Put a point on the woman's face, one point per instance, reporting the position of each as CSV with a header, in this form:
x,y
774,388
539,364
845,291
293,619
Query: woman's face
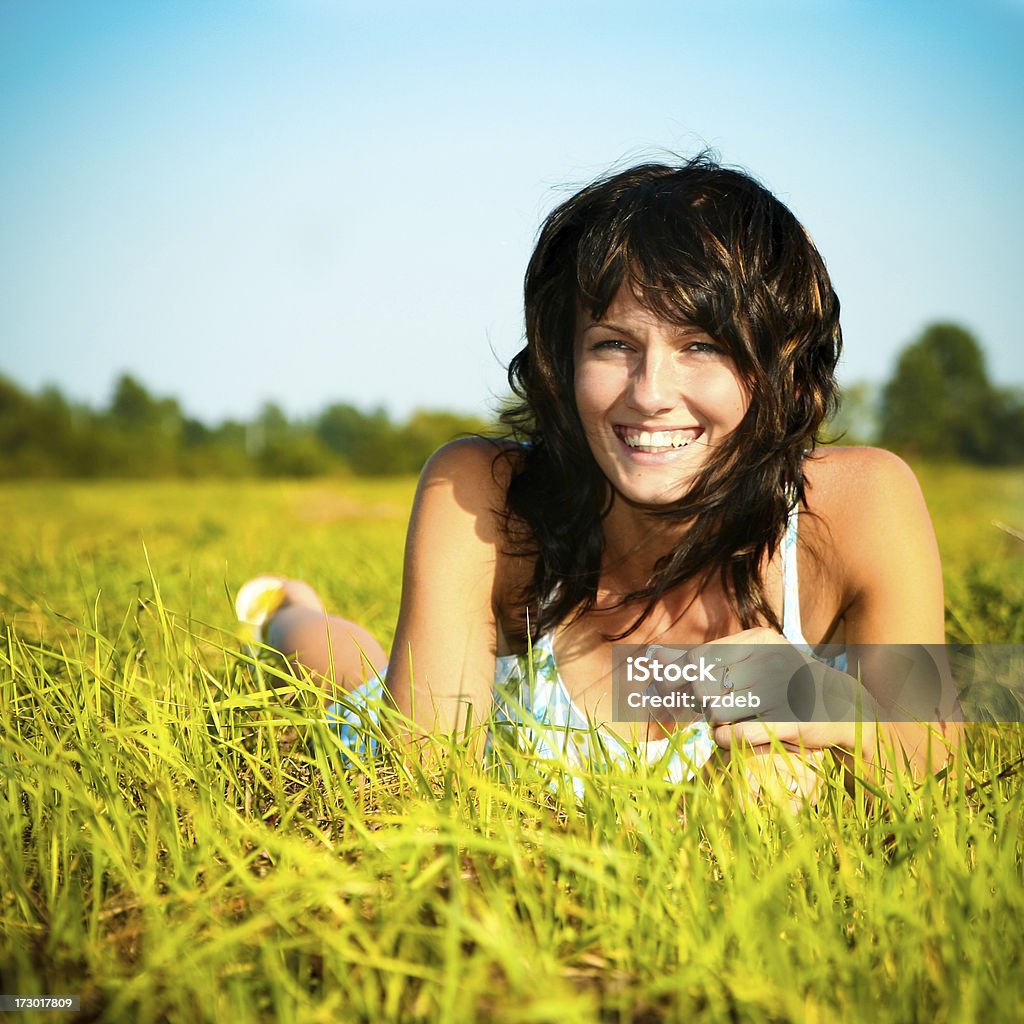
x,y
655,398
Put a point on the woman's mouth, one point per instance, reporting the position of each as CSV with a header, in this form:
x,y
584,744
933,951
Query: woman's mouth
x,y
657,441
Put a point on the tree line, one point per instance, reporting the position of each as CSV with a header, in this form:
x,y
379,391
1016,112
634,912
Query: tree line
x,y
141,435
939,404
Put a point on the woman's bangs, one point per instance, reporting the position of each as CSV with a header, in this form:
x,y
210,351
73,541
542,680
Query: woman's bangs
x,y
670,270
602,267
660,280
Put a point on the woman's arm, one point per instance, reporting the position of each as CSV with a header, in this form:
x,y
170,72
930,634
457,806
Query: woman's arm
x,y
872,531
885,544
441,672
885,538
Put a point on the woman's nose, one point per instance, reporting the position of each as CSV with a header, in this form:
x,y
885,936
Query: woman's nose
x,y
652,386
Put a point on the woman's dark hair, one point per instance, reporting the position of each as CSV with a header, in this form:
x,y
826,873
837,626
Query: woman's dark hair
x,y
699,244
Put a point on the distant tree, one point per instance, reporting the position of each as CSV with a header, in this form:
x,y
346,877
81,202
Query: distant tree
x,y
428,429
132,406
195,433
17,433
368,442
342,427
282,448
37,433
375,446
142,435
939,403
16,409
1008,416
55,430
215,451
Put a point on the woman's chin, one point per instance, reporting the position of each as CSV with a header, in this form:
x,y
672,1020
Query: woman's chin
x,y
651,498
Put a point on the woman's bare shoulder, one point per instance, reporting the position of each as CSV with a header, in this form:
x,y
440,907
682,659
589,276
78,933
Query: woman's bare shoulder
x,y
484,464
868,511
853,482
463,493
447,621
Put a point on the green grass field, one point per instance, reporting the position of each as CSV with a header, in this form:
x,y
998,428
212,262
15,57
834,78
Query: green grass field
x,y
179,846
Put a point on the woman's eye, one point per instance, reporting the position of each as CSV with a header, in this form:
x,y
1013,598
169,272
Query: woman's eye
x,y
706,348
610,345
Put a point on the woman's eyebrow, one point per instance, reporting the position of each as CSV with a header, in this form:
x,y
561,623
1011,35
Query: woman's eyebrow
x,y
681,330
608,325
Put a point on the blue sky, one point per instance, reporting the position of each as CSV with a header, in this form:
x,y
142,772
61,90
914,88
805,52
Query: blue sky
x,y
310,202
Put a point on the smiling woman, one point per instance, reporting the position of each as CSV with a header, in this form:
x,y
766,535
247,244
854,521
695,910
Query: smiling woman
x,y
682,335
654,398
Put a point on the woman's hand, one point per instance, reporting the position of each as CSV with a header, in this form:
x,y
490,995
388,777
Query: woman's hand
x,y
764,688
783,709
767,691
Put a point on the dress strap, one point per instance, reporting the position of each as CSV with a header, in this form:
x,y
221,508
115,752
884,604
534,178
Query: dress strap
x,y
791,627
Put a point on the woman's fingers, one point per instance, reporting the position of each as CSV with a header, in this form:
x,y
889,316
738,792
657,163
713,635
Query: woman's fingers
x,y
797,735
752,680
756,689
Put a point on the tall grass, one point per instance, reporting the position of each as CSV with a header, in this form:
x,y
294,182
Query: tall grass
x,y
983,563
181,844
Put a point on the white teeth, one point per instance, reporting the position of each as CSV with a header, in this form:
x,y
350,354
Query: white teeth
x,y
656,440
